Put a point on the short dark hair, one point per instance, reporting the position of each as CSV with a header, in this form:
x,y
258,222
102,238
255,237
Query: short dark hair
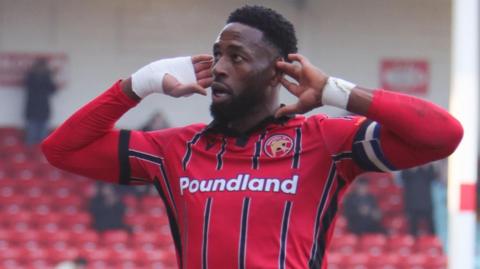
x,y
276,29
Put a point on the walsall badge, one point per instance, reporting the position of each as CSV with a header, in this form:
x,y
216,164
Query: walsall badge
x,y
278,145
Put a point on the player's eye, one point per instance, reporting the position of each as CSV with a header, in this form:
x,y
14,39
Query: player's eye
x,y
216,56
236,58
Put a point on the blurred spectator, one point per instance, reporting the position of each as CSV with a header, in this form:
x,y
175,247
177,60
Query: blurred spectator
x,y
361,210
107,209
39,86
417,183
78,263
158,121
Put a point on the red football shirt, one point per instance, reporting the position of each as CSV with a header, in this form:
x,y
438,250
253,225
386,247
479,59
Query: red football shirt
x,y
266,200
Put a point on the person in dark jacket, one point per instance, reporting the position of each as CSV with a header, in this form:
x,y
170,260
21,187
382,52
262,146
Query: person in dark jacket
x,y
417,183
361,210
108,209
39,86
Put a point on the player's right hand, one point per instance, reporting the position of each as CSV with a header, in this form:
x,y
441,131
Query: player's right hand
x,y
202,65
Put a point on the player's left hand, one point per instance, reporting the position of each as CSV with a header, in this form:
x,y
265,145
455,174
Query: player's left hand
x,y
202,65
308,87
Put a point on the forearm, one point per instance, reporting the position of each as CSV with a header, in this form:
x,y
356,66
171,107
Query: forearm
x,y
92,122
408,122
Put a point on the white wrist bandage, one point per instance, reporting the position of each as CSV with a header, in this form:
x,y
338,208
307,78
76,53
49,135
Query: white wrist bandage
x,y
149,79
336,92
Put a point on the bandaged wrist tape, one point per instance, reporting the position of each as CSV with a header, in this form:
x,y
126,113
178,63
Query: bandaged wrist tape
x,y
149,79
336,92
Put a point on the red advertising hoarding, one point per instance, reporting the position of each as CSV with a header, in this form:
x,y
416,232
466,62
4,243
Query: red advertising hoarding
x,y
410,76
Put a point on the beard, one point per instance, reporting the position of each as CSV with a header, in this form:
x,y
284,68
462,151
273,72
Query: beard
x,y
239,106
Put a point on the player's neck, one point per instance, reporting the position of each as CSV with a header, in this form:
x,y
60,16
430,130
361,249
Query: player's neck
x,y
258,115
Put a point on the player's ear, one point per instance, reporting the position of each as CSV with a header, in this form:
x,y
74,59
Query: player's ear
x,y
277,73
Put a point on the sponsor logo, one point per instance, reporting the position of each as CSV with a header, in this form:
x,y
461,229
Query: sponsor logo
x,y
278,145
243,182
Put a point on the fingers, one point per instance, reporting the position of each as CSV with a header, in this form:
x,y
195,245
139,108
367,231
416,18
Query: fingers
x,y
172,87
206,82
299,58
290,69
287,110
203,74
291,87
184,90
201,58
201,66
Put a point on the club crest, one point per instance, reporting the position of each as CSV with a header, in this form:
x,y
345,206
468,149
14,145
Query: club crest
x,y
278,145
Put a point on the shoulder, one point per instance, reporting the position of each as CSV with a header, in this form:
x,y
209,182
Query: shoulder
x,y
178,133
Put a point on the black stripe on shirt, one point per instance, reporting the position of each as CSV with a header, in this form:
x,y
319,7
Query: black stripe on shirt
x,y
145,156
342,155
298,148
158,161
258,150
220,154
283,235
174,229
206,222
323,200
327,220
188,152
243,233
123,142
318,248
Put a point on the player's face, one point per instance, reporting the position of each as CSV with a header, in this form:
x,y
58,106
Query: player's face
x,y
244,71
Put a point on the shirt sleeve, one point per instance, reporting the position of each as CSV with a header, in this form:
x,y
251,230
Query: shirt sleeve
x,y
89,145
400,132
338,135
142,155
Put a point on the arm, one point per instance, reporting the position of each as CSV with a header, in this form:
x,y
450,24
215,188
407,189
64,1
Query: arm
x,y
414,131
87,142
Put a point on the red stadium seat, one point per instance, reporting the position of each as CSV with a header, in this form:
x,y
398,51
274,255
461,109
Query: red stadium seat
x,y
334,260
87,240
152,206
149,240
8,187
344,244
414,261
80,221
29,239
155,222
430,245
154,258
357,260
98,258
58,255
137,221
373,244
71,204
47,220
18,220
6,239
41,205
12,258
401,244
436,262
56,239
385,261
395,224
115,239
